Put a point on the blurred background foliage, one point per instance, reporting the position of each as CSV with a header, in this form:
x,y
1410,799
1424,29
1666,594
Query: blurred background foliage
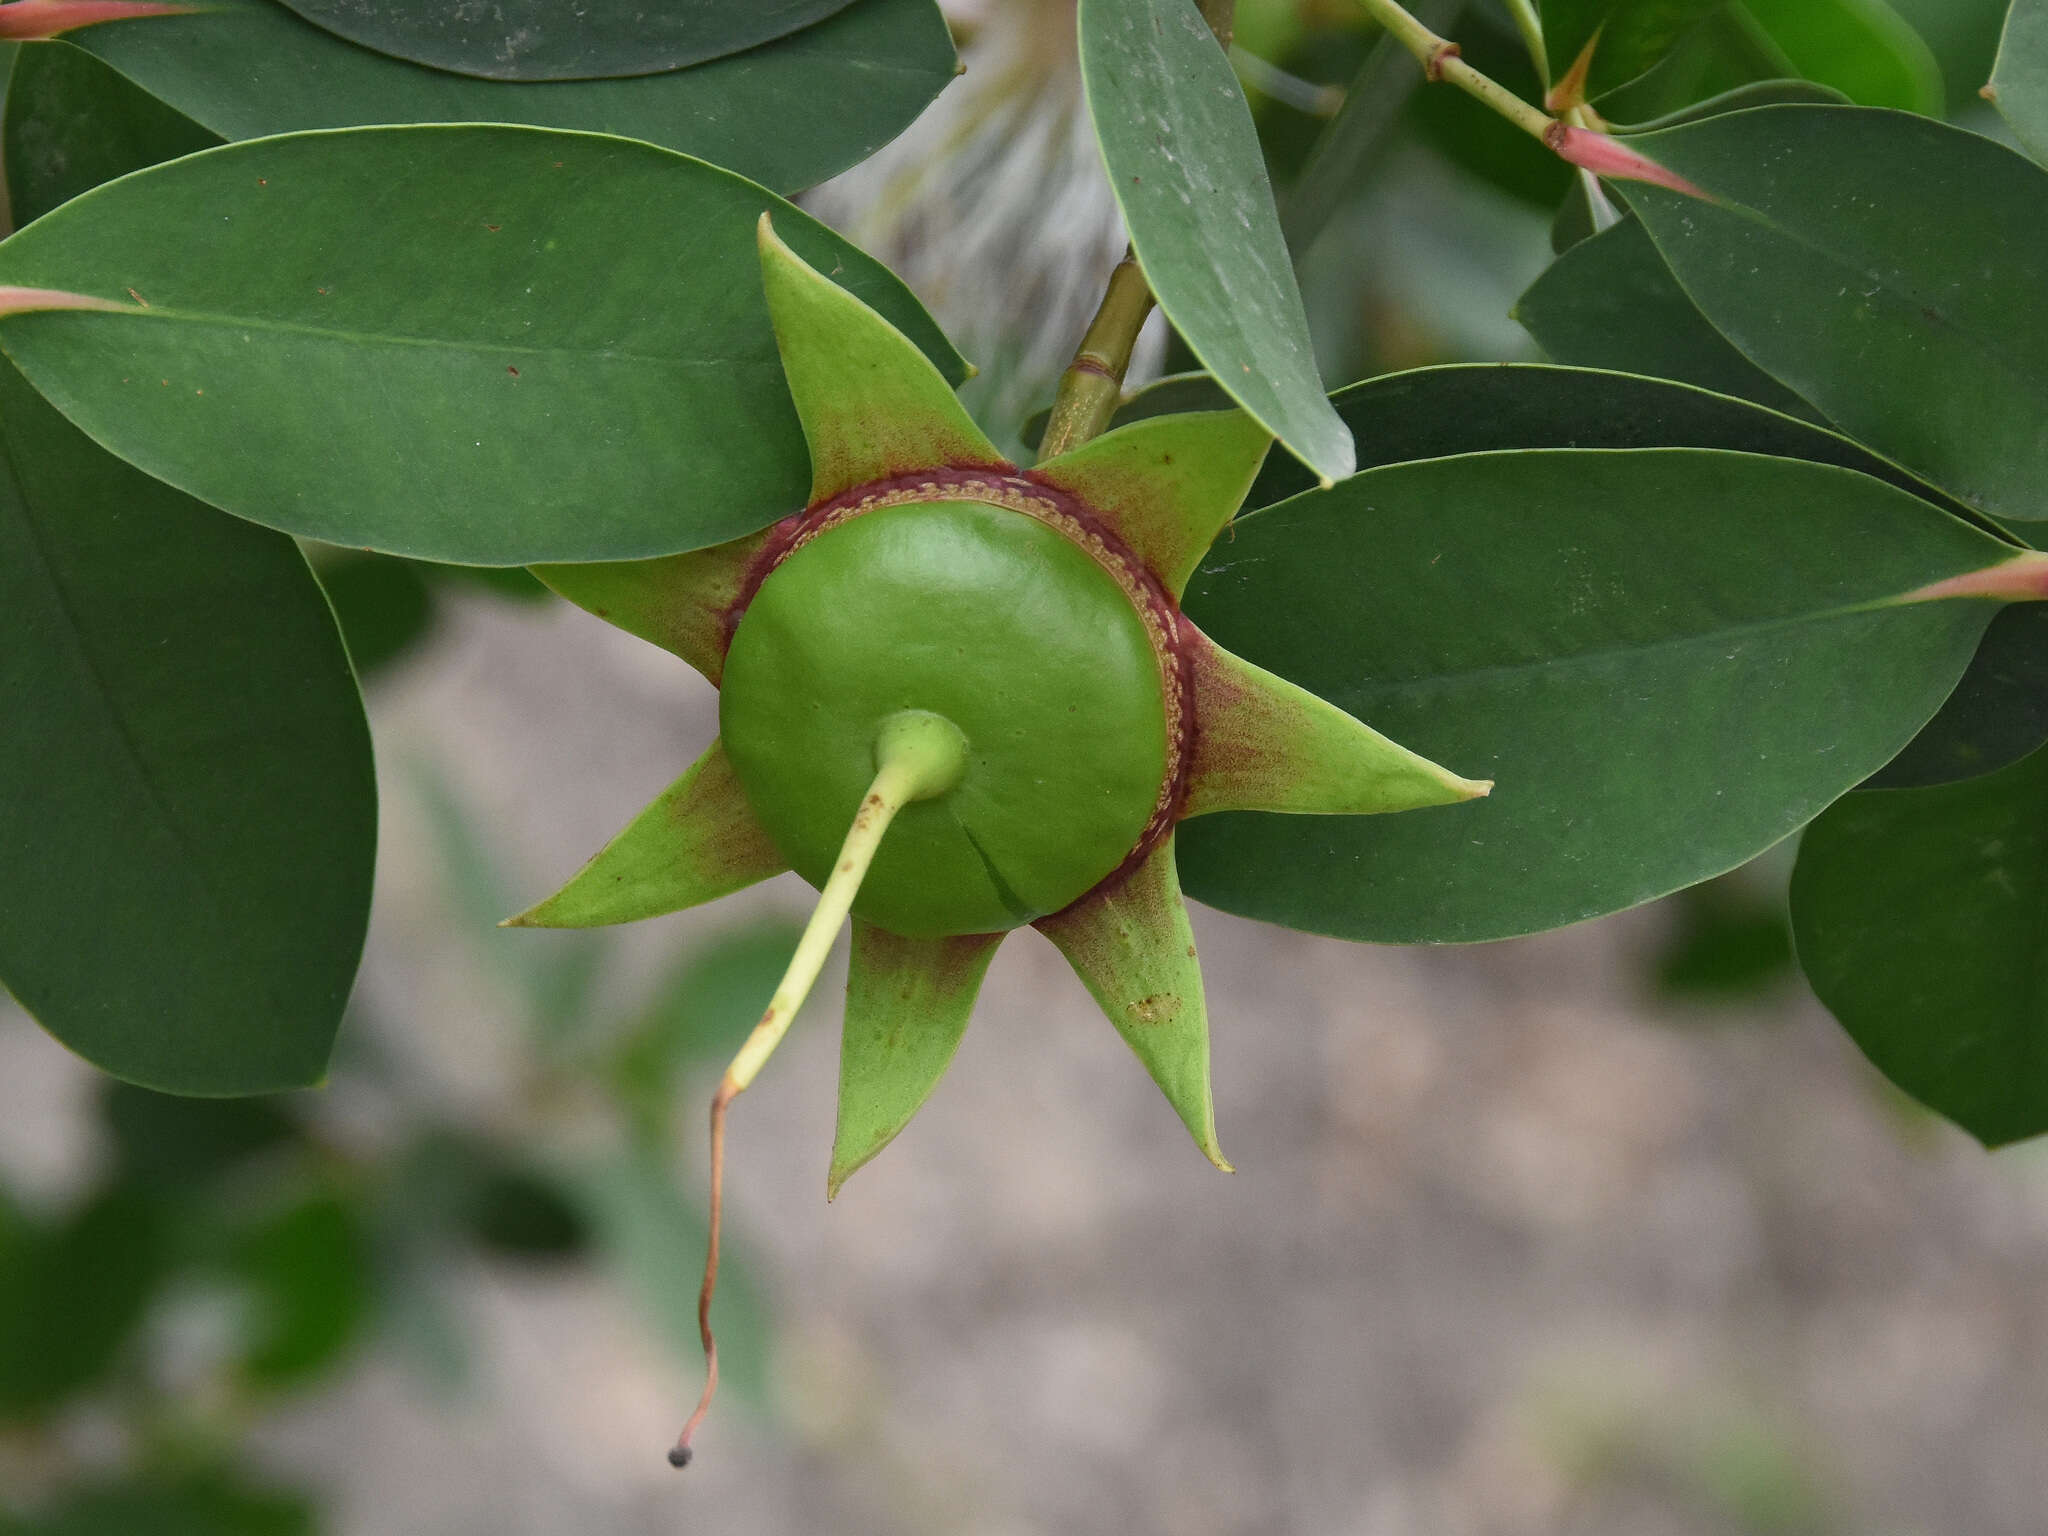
x,y
226,1262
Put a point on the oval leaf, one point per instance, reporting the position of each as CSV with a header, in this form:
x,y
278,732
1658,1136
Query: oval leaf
x,y
1888,268
1996,716
788,114
1627,37
72,123
1863,48
1184,160
1667,659
545,40
555,349
2019,82
188,831
1921,917
1432,413
1610,302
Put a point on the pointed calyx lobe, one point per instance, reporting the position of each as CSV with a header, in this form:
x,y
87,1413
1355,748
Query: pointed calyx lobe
x,y
1262,744
872,405
1130,944
698,841
907,1005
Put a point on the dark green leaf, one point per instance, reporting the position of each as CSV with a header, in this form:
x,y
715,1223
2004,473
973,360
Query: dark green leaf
x,y
1610,302
544,40
1860,47
1431,413
1888,268
70,1296
72,123
382,604
1996,716
555,349
188,830
165,1142
2019,81
308,1266
1667,659
1633,35
1184,161
207,1508
1724,53
788,114
1758,93
1922,922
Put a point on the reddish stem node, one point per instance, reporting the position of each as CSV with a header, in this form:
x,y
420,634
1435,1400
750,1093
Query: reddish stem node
x,y
1609,157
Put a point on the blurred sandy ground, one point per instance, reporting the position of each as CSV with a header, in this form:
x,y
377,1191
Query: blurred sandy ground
x,y
1510,1251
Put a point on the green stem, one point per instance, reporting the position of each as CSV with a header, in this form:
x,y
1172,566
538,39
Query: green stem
x,y
1439,59
918,755
1094,382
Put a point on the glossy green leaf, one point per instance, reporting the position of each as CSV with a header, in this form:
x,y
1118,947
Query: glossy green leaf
x,y
1724,53
1863,48
72,123
1996,716
1922,921
1431,413
1184,161
187,832
788,114
1758,93
2019,81
1610,302
544,40
1633,36
1666,659
1888,268
556,348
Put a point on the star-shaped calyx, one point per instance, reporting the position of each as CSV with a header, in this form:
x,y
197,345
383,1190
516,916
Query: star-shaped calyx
x,y
983,672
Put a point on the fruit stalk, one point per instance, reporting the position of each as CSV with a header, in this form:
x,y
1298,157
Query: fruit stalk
x,y
918,756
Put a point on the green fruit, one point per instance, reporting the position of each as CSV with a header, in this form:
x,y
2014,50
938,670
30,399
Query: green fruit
x,y
1006,627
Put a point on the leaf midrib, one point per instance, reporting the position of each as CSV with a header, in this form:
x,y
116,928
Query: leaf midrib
x,y
103,695
396,339
1756,628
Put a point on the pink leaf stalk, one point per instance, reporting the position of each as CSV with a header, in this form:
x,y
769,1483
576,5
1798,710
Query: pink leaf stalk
x,y
1606,156
22,301
30,20
2024,578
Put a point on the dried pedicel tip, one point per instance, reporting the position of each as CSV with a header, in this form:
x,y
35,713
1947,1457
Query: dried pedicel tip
x,y
960,698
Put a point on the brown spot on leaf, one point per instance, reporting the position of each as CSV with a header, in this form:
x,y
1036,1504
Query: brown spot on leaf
x,y
1159,1008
